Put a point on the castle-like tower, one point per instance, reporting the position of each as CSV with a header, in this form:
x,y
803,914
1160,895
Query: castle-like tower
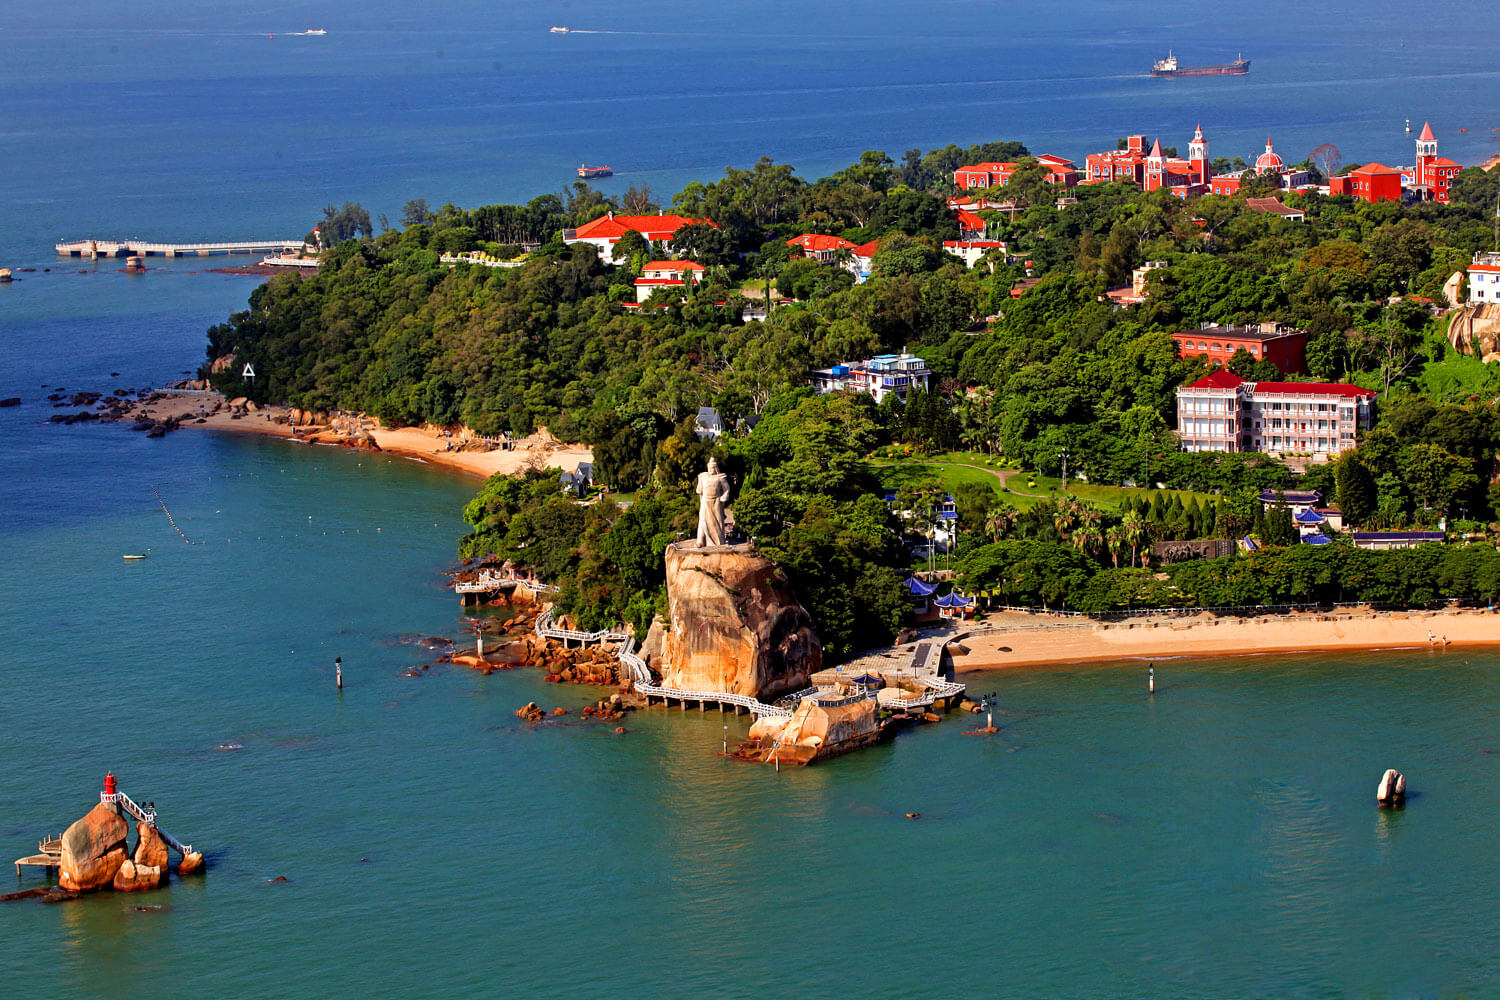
x,y
1426,154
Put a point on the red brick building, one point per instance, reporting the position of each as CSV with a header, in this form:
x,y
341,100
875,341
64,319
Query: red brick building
x,y
1372,182
1283,346
1151,168
994,174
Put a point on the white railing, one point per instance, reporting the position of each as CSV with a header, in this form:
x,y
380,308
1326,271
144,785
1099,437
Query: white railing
x,y
145,816
490,580
755,706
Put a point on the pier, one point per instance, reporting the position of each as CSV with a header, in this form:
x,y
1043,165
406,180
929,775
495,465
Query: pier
x,y
95,249
48,854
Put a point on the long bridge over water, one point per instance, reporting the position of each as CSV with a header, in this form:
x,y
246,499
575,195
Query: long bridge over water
x,y
144,248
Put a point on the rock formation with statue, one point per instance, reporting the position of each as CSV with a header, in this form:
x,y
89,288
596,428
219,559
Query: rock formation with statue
x,y
734,625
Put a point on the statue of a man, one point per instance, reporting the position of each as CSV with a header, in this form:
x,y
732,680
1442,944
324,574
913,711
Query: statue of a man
x,y
713,488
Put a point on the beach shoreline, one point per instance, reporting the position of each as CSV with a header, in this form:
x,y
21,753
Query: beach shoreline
x,y
1016,644
211,411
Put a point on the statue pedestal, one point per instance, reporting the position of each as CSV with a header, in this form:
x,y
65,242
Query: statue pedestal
x,y
735,626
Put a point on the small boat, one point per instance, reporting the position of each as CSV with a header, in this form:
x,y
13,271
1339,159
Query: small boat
x,y
139,556
588,173
559,29
316,31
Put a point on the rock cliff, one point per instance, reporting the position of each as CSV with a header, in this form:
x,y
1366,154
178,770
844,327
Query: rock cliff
x,y
146,868
735,626
93,849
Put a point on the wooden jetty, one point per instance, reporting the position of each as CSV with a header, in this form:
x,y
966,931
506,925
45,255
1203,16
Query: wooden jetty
x,y
95,249
48,854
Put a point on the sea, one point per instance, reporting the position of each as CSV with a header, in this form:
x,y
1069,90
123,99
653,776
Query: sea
x,y
408,836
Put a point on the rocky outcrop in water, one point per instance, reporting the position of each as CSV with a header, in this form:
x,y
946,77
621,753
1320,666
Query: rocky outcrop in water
x,y
93,850
735,626
1392,789
147,866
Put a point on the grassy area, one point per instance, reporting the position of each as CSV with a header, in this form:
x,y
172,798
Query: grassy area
x,y
954,469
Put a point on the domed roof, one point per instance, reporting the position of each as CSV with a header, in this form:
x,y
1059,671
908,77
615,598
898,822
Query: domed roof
x,y
1268,160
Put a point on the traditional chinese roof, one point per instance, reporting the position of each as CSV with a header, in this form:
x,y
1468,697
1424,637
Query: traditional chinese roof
x,y
1290,496
953,600
1318,539
1310,516
917,588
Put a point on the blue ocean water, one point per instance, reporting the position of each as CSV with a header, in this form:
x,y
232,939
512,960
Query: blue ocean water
x,y
1218,839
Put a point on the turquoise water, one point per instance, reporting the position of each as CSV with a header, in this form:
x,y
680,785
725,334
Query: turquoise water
x,y
1217,839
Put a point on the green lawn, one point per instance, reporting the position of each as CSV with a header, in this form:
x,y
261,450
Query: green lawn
x,y
954,469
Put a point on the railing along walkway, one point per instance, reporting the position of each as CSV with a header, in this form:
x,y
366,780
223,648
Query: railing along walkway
x,y
145,816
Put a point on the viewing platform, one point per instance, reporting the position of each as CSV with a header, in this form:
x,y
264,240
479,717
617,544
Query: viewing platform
x,y
141,248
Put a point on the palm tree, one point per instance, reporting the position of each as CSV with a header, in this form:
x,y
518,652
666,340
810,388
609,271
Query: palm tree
x,y
999,522
1136,529
1116,540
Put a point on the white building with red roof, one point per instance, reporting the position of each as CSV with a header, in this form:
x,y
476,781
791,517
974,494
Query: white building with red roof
x,y
1484,278
819,246
607,230
673,274
1223,412
970,251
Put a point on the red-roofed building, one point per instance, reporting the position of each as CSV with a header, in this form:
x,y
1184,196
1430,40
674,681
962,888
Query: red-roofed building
x,y
972,250
1433,173
1484,277
1283,346
607,230
1372,182
819,246
1223,412
667,274
1150,168
993,174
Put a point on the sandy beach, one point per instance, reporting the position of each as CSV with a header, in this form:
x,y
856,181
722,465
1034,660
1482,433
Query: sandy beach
x,y
1012,641
425,444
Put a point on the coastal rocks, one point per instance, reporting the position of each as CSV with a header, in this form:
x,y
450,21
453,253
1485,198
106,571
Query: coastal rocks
x,y
735,626
816,731
93,850
1392,788
531,712
191,863
10,401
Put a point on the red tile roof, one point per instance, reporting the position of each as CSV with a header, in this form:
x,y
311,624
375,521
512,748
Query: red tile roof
x,y
818,242
968,220
1221,378
674,265
1375,168
654,227
866,250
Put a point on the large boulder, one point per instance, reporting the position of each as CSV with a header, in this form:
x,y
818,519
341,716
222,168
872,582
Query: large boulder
x,y
817,730
93,849
148,865
735,626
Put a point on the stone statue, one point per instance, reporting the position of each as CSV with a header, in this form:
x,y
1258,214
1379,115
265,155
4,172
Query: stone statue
x,y
713,487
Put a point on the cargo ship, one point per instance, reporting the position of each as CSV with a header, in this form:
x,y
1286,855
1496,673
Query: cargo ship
x,y
589,173
1169,67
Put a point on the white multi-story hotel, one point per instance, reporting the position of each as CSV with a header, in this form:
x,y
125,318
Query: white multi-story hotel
x,y
1223,412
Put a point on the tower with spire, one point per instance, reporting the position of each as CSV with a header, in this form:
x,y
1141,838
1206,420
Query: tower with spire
x,y
1156,167
1433,173
1198,156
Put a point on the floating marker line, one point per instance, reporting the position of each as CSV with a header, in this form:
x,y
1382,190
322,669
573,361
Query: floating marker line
x,y
173,523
